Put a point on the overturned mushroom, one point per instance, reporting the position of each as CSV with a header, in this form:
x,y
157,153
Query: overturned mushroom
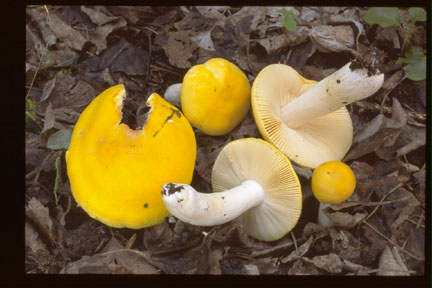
x,y
307,120
249,177
116,173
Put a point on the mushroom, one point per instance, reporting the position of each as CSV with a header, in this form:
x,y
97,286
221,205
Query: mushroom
x,y
307,120
332,183
215,96
116,173
249,177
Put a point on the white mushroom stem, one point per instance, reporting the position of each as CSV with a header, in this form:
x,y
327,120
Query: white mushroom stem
x,y
323,219
333,92
172,94
208,209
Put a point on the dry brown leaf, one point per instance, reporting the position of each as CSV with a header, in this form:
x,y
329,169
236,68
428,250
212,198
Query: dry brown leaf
x,y
344,219
214,265
179,49
300,251
275,43
379,132
333,38
391,264
39,215
330,263
114,259
69,36
303,267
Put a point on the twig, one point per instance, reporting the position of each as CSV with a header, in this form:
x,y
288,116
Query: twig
x,y
392,242
382,200
377,108
295,243
40,61
35,180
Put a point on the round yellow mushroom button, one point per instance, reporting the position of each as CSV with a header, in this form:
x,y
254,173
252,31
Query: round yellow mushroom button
x,y
333,182
215,96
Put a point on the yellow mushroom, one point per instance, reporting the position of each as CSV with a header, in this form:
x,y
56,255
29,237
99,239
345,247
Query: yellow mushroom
x,y
116,173
332,183
215,96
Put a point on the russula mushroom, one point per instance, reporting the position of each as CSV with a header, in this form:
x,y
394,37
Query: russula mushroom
x,y
332,183
307,120
214,96
116,173
250,177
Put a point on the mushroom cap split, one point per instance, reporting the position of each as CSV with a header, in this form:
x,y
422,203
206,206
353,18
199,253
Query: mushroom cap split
x,y
256,159
333,182
116,173
324,138
215,96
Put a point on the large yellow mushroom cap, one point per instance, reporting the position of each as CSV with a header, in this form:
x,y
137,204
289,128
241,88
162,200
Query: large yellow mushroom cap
x,y
333,182
215,96
116,173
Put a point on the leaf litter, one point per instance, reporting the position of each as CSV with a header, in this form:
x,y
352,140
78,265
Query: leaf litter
x,y
73,53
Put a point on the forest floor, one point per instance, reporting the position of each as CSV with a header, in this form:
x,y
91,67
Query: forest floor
x,y
73,53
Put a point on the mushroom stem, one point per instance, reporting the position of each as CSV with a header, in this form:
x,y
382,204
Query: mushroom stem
x,y
172,94
323,219
339,89
208,209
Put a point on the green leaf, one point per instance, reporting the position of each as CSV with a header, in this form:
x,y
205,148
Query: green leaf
x,y
383,16
417,14
289,23
30,110
59,140
290,19
58,180
283,11
415,64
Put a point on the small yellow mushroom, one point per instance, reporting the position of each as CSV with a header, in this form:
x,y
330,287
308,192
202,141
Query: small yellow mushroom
x,y
332,183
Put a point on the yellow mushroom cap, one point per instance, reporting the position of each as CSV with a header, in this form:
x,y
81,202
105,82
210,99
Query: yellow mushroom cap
x,y
322,139
333,182
256,159
116,173
215,96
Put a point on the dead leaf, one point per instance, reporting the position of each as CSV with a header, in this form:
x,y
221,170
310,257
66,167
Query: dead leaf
x,y
179,49
303,267
333,38
33,241
251,269
58,59
391,264
330,263
344,219
299,252
266,265
39,215
71,37
416,242
99,36
214,257
204,41
114,259
379,132
276,43
389,34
